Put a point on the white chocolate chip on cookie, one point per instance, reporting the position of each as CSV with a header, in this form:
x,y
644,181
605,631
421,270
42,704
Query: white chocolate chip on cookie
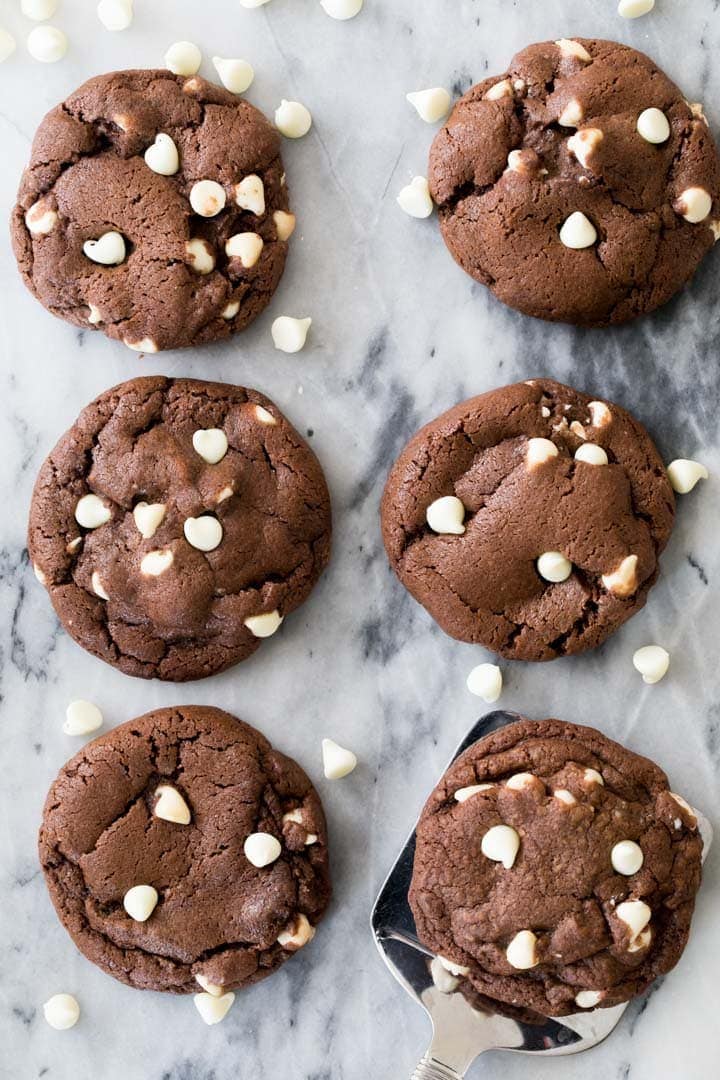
x,y
459,970
441,977
207,198
564,796
262,626
653,126
520,781
572,115
623,581
521,953
148,518
262,849
41,219
588,999
284,224
211,444
500,90
146,345
97,586
108,250
265,416
694,204
200,255
591,454
209,987
574,50
170,805
553,566
140,901
246,246
155,563
91,512
539,451
230,310
501,844
626,857
600,415
250,194
204,533
297,933
592,776
464,793
636,915
584,143
446,515
578,232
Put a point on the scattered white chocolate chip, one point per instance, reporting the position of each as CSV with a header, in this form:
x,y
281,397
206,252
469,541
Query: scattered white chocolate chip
x,y
211,444
464,793
207,198
499,90
520,780
38,10
262,849
431,105
235,75
539,451
694,204
61,1011
446,515
284,224
230,310
246,246
82,717
7,44
584,143
485,681
578,232
633,9
501,844
600,415
570,48
250,194
213,1009
553,566
95,316
115,14
592,776
591,454
636,915
263,626
337,761
341,9
626,857
200,256
652,661
684,474
297,933
289,335
265,416
146,345
623,581
47,44
162,156
108,249
91,512
588,999
459,970
156,563
140,901
97,586
148,518
441,977
40,218
521,953
183,58
292,119
171,806
564,796
653,126
572,115
204,533
415,199
210,988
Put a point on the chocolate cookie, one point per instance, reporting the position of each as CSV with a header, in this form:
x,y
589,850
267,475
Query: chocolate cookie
x,y
221,839
580,186
529,519
555,869
154,208
176,524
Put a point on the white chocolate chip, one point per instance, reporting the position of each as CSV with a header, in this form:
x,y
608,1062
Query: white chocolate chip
x,y
591,454
284,224
564,796
225,493
95,316
415,199
156,563
600,415
501,844
539,451
441,977
7,44
459,970
213,1009
337,761
641,941
108,249
115,14
211,444
162,156
183,58
626,857
633,9
97,586
694,204
264,416
210,988
246,246
47,44
446,515
292,119
82,717
297,933
61,1011
148,518
431,105
578,232
588,999
140,901
592,776
572,115
577,429
207,198
200,256
499,90
38,10
520,781
296,817
146,345
263,626
464,793
262,849
341,9
204,533
583,144
570,48
289,335
40,218
652,661
235,75
171,806
91,512
653,126
250,194
684,474
684,805
623,581
485,681
521,953
553,566
636,915
545,412
230,310
39,574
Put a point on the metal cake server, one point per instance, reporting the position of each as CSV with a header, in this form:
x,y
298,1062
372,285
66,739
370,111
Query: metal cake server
x,y
461,1031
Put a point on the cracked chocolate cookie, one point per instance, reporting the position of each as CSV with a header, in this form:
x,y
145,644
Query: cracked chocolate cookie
x,y
176,524
154,208
580,186
554,869
182,851
529,519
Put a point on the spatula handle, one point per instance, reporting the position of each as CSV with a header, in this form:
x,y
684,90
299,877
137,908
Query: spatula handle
x,y
431,1069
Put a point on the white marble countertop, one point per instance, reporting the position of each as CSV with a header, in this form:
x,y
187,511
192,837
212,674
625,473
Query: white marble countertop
x,y
399,334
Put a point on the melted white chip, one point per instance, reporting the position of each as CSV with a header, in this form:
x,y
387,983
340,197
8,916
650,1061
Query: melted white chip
x,y
297,933
262,626
431,105
622,582
97,586
499,90
246,246
501,844
200,256
262,849
636,915
653,126
292,119
521,953
626,857
146,345
82,717
684,474
171,806
464,793
235,75
600,415
108,249
564,796
140,901
210,988
337,761
588,999
446,515
61,1011
156,563
485,681
583,144
162,156
211,444
265,416
454,969
250,194
592,776
520,780
148,517
41,219
284,224
289,334
230,310
578,232
115,14
553,566
574,49
183,58
415,199
47,44
652,661
441,977
213,1009
572,115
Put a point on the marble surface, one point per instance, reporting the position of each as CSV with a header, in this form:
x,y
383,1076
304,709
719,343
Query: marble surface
x,y
399,334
